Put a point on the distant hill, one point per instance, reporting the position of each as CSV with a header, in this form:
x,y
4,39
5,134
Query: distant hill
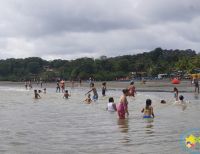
x,y
147,63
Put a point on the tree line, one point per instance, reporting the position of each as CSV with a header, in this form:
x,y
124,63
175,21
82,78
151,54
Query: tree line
x,y
103,68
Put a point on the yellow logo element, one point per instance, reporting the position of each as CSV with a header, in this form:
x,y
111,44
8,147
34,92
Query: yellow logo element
x,y
191,141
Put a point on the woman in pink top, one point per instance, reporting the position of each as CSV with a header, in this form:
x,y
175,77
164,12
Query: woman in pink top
x,y
131,89
122,107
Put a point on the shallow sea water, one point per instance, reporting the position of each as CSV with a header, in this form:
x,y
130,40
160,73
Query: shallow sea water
x,y
56,125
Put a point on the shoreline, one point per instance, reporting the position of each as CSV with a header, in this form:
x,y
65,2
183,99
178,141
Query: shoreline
x,y
150,86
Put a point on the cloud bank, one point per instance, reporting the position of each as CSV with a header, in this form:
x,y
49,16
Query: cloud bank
x,y
70,29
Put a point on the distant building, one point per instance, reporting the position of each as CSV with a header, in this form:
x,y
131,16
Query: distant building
x,y
161,76
48,69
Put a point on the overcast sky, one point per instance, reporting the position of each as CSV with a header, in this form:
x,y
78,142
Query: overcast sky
x,y
70,29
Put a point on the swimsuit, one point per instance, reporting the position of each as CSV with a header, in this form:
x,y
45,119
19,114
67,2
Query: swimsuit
x,y
147,113
121,110
147,116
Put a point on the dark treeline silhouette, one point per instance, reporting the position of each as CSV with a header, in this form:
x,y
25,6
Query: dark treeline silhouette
x,y
150,63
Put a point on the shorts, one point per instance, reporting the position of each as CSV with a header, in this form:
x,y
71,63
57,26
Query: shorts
x,y
95,97
103,92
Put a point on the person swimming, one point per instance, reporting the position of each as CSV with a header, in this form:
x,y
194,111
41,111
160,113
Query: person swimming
x,y
66,94
163,101
181,102
148,110
111,106
88,100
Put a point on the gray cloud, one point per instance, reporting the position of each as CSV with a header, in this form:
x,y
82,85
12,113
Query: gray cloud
x,y
71,29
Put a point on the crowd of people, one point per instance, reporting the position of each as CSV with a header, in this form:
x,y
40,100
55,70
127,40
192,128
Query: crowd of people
x,y
122,107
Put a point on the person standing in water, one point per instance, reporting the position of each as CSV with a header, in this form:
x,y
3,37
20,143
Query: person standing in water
x,y
104,89
95,94
131,89
62,85
30,84
148,110
122,108
196,84
80,82
26,85
176,93
57,86
41,83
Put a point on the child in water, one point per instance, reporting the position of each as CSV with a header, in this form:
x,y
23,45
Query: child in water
x,y
95,94
176,93
88,100
45,90
181,99
148,110
163,101
181,102
122,107
66,94
37,96
104,89
111,106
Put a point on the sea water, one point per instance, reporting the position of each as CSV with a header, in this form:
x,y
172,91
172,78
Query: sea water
x,y
56,125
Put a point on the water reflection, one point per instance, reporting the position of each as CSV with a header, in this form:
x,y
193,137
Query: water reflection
x,y
124,127
149,126
196,96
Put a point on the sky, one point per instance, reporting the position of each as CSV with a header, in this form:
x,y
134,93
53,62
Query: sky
x,y
70,29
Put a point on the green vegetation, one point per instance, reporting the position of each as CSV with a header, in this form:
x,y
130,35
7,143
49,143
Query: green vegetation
x,y
148,63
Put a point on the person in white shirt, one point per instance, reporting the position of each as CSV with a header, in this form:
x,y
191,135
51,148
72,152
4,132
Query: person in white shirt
x,y
111,106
